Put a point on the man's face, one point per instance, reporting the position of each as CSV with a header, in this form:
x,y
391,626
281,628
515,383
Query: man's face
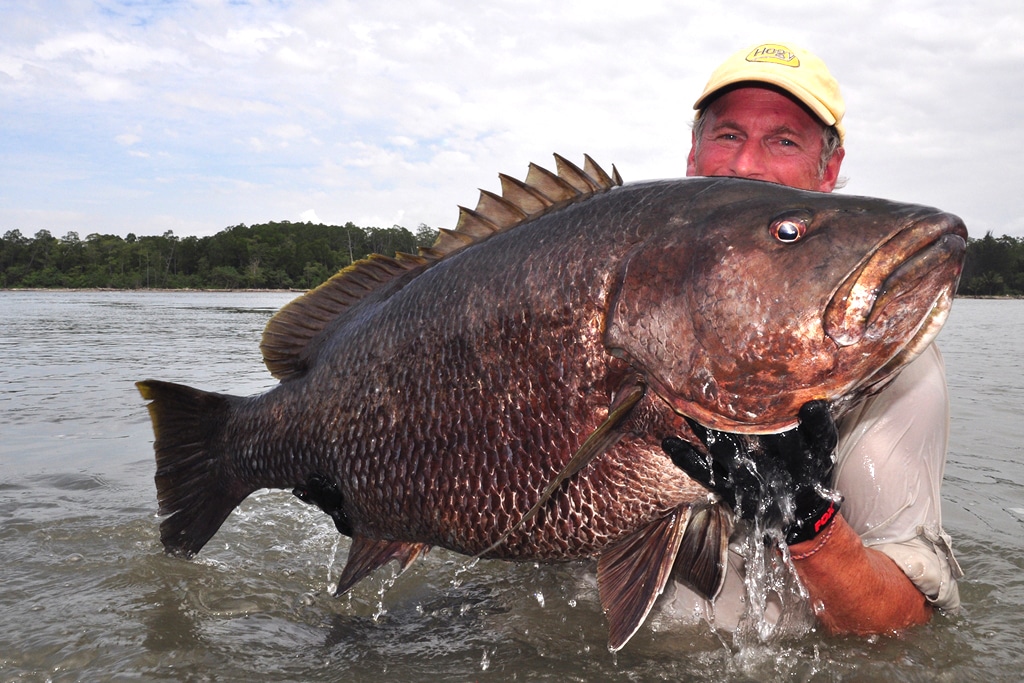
x,y
761,134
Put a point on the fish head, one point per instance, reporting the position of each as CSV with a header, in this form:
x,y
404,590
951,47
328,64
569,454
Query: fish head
x,y
749,299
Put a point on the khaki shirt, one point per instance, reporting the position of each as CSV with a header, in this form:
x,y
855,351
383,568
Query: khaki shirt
x,y
892,454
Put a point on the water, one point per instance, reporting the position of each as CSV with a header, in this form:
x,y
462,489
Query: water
x,y
88,595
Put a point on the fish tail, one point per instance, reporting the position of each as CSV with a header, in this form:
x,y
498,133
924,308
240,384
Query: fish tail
x,y
194,485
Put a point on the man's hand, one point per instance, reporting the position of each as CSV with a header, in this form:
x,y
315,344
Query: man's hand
x,y
807,454
783,479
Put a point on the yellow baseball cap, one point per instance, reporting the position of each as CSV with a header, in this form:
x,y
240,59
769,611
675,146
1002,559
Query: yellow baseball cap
x,y
791,68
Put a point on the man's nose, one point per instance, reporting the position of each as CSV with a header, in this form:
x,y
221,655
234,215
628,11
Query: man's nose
x,y
749,161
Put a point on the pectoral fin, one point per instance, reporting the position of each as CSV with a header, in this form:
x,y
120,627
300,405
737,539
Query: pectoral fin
x,y
366,555
701,561
633,573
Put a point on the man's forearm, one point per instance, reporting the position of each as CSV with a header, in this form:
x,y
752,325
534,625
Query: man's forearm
x,y
854,589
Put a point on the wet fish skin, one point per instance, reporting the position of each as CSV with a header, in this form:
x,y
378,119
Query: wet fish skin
x,y
435,404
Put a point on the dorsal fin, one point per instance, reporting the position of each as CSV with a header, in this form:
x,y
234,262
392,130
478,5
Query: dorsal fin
x,y
574,175
529,199
554,187
290,331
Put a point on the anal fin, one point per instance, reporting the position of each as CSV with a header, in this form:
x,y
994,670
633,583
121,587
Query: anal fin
x,y
366,554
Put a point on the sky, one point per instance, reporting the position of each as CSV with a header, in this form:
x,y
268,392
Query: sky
x,y
148,116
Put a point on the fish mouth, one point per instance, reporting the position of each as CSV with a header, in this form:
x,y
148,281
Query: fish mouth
x,y
904,289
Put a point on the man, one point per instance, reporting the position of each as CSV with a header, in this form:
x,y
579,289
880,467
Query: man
x,y
882,563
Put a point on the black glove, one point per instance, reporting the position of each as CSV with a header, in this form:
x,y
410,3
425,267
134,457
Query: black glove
x,y
782,479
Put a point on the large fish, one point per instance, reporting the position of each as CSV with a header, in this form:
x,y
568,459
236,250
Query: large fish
x,y
505,393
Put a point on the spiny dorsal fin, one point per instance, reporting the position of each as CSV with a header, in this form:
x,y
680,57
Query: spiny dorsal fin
x,y
502,212
574,175
527,198
554,187
290,331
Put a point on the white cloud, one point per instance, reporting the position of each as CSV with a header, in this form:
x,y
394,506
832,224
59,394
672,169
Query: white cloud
x,y
106,53
104,88
288,131
307,60
12,67
249,41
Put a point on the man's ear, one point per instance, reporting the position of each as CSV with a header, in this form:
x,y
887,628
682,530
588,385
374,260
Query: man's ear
x,y
831,175
691,158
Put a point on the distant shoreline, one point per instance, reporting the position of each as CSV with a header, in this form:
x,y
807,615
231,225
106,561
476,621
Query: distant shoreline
x,y
152,289
302,291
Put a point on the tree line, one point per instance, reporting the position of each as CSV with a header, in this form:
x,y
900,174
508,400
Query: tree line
x,y
994,267
286,255
281,255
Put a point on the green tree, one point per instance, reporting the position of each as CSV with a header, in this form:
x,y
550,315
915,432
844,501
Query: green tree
x,y
994,267
425,235
14,256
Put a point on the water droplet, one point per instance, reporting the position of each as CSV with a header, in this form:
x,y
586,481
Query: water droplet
x,y
379,612
540,598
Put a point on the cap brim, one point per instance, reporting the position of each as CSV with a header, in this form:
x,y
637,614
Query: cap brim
x,y
797,91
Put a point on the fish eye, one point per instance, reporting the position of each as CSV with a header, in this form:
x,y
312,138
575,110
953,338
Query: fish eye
x,y
788,230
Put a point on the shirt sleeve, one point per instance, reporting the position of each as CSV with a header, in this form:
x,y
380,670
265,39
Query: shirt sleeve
x,y
890,464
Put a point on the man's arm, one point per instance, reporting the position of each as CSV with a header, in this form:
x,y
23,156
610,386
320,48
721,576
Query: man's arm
x,y
854,589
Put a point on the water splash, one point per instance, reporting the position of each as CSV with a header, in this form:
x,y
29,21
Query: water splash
x,y
467,566
332,586
776,600
385,585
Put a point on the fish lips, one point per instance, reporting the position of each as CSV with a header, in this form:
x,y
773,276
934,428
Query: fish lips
x,y
915,270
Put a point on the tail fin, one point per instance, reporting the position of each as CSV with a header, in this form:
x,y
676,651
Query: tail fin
x,y
193,485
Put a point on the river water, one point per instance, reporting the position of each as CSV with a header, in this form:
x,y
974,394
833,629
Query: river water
x,y
87,594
